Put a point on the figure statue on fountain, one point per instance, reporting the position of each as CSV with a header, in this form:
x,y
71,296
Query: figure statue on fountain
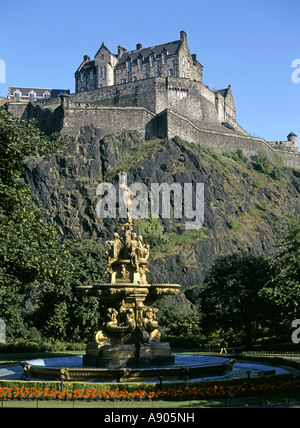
x,y
127,255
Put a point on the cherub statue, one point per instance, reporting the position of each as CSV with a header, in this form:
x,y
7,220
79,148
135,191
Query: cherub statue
x,y
151,325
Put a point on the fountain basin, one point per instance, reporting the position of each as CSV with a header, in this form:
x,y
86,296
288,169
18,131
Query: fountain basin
x,y
181,371
115,292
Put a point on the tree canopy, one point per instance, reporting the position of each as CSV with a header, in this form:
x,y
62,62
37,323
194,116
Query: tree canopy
x,y
230,296
283,287
38,270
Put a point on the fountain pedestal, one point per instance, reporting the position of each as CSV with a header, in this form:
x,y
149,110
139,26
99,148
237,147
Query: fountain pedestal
x,y
129,335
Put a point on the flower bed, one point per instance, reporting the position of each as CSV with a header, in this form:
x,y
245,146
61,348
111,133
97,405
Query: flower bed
x,y
174,392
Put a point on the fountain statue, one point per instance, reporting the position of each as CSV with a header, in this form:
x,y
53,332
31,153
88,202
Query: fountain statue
x,y
129,334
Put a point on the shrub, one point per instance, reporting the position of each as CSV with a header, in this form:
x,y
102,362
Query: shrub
x,y
263,163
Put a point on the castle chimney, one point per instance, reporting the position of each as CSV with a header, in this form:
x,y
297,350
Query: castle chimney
x,y
138,46
121,50
86,58
183,36
194,57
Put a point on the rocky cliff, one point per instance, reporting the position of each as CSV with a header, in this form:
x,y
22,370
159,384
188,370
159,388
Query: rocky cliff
x,y
241,203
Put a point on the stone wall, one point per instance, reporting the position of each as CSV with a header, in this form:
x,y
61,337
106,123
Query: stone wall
x,y
116,119
172,124
3,101
137,94
186,97
108,120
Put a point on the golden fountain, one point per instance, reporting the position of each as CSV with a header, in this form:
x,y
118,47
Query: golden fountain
x,y
127,346
129,335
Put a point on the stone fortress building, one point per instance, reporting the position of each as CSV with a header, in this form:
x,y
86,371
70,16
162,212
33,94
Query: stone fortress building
x,y
179,88
171,59
157,91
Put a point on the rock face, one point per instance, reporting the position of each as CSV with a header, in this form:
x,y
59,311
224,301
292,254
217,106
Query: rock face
x,y
241,204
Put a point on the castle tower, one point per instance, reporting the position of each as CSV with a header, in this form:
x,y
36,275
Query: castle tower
x,y
293,139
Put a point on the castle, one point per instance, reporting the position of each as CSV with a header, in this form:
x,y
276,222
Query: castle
x,y
157,91
166,60
181,85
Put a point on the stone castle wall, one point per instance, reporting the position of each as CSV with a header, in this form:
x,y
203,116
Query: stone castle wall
x,y
109,120
187,97
172,124
153,107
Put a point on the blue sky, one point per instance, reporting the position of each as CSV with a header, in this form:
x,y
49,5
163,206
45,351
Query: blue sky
x,y
249,44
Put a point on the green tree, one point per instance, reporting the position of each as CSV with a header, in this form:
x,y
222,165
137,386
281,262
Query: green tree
x,y
39,272
152,232
283,288
31,256
19,139
90,263
181,323
262,162
230,295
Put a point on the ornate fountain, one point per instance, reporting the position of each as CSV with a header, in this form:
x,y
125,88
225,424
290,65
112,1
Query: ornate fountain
x,y
127,346
129,335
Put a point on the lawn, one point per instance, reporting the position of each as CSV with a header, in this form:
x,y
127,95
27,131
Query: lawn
x,y
280,399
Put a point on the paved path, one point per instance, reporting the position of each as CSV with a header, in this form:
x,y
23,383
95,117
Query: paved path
x,y
295,405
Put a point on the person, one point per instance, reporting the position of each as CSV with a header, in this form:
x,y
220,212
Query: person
x,y
223,346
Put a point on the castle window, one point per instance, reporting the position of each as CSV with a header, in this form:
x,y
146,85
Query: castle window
x,y
170,72
128,66
17,95
104,73
123,81
164,58
32,96
82,90
152,61
82,77
134,79
91,75
140,63
174,67
158,69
